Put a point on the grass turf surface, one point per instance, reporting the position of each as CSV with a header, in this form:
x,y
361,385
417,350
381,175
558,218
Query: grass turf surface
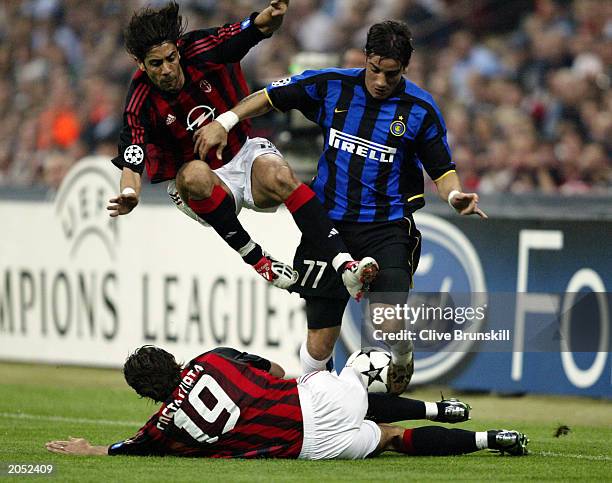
x,y
40,403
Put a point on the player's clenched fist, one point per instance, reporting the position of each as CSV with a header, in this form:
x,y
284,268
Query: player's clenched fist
x,y
123,204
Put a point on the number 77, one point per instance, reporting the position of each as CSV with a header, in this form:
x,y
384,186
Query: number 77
x,y
311,264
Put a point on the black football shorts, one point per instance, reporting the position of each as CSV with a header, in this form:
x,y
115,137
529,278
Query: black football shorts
x,y
395,245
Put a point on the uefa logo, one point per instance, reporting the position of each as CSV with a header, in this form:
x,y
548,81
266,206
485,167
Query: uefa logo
x,y
449,265
81,202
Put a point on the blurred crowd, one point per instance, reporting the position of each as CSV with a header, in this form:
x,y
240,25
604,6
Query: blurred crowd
x,y
524,85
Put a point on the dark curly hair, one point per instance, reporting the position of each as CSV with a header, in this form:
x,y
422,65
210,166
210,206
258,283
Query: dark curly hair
x,y
390,39
152,372
149,27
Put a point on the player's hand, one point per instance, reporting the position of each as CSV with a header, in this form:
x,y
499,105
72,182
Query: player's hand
x,y
467,204
278,7
271,18
77,446
122,204
208,137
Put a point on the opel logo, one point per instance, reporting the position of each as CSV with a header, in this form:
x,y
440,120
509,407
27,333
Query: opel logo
x,y
204,112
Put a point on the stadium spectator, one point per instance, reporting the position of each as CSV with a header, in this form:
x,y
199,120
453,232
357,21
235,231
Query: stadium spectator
x,y
555,57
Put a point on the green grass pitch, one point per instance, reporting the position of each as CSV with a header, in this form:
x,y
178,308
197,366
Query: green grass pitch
x,y
40,403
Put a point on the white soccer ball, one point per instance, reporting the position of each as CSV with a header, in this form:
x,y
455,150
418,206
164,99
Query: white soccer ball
x,y
373,365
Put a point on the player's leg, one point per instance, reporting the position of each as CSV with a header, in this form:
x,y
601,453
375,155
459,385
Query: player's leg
x,y
324,317
391,291
389,408
439,441
213,201
274,182
398,262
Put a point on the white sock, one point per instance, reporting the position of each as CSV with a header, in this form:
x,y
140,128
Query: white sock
x,y
309,363
431,410
482,439
340,260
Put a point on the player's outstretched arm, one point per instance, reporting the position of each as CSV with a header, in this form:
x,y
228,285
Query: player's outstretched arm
x,y
271,18
127,200
214,135
449,189
76,446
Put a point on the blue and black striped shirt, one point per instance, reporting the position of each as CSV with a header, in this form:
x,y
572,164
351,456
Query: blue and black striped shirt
x,y
371,168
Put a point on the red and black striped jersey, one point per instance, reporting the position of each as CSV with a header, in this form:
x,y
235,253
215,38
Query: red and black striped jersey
x,y
226,406
158,126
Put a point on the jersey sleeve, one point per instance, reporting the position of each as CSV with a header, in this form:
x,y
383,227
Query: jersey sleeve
x,y
431,145
301,92
134,135
222,45
143,443
244,357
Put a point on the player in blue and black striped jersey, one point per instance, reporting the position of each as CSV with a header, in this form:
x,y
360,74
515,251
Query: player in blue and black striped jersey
x,y
380,131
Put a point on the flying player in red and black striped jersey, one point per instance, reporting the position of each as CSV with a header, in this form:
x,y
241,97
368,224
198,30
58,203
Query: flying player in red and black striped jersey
x,y
183,82
229,404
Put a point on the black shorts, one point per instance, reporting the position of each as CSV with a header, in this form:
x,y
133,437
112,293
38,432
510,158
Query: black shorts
x,y
395,245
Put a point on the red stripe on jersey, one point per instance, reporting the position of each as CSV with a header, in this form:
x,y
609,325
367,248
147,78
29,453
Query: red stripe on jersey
x,y
137,98
245,384
137,130
228,82
209,45
134,96
195,50
140,101
281,410
223,34
270,432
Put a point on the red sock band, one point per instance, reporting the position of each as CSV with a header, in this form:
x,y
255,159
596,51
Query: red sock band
x,y
407,442
300,196
209,204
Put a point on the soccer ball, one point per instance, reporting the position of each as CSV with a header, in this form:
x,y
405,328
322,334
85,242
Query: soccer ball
x,y
373,365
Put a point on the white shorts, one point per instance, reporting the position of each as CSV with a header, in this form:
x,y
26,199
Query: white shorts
x,y
333,411
237,177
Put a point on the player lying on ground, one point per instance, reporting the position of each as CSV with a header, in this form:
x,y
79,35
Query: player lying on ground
x,y
380,131
225,403
183,80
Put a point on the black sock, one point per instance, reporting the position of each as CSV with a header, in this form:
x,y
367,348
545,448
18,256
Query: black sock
x,y
313,222
387,408
219,212
438,441
491,439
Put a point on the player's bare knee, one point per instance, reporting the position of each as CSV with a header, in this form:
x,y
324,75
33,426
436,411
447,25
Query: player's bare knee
x,y
320,344
390,438
195,180
278,179
284,182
